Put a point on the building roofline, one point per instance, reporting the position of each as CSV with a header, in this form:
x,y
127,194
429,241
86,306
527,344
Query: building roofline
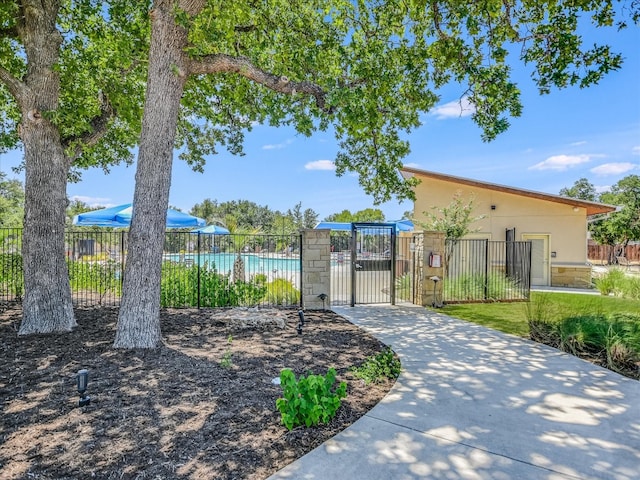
x,y
593,208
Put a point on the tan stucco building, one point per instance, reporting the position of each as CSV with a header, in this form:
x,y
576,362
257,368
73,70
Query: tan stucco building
x,y
555,225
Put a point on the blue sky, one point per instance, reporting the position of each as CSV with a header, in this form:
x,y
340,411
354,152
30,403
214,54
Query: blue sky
x,y
561,137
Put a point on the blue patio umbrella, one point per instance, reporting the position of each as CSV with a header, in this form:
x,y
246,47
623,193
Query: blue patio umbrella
x,y
120,216
212,230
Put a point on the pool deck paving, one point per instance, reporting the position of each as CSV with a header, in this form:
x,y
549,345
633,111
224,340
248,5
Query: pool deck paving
x,y
474,403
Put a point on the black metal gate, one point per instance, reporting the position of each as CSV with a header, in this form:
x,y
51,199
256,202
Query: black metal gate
x,y
484,270
367,263
373,256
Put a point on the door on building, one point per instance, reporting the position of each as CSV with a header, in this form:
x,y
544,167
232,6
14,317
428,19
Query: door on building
x,y
539,258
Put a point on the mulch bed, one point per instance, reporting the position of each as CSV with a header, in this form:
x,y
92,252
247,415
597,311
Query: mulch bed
x,y
200,406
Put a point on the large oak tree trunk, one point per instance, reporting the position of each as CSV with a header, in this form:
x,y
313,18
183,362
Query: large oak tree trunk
x,y
47,303
139,317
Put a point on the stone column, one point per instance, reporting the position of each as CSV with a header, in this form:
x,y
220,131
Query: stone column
x,y
316,268
434,243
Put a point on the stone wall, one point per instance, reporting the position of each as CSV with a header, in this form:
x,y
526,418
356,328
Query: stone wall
x,y
316,268
433,242
575,276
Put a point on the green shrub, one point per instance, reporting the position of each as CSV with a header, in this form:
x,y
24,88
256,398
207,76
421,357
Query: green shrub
x,y
98,277
179,288
615,338
631,288
611,282
378,367
403,287
178,285
540,313
477,287
11,277
310,400
282,292
259,279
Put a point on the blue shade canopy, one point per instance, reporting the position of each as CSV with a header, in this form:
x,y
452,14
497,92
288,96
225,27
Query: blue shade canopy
x,y
212,230
401,226
120,216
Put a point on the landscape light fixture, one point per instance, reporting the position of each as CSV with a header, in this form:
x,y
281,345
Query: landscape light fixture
x,y
435,279
83,382
323,297
300,322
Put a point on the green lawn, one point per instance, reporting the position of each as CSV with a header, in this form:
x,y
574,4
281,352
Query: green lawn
x,y
512,317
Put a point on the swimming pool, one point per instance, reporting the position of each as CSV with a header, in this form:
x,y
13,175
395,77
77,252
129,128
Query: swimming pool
x,y
223,262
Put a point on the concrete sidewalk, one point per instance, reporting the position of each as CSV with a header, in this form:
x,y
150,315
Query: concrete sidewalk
x,y
473,403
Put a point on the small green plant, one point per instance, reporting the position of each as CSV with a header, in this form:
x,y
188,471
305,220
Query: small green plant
x,y
403,287
226,361
282,292
378,367
478,287
309,400
631,288
611,282
540,314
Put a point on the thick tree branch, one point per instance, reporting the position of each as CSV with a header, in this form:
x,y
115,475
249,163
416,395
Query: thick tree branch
x,y
9,32
16,87
99,126
221,63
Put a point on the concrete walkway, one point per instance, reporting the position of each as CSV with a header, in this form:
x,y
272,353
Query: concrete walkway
x,y
473,403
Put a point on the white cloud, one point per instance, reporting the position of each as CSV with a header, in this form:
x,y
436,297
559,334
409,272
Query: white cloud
x,y
614,168
577,144
636,150
561,162
93,201
277,146
320,165
455,109
411,165
602,188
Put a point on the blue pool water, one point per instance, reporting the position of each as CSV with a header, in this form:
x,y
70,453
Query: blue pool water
x,y
223,262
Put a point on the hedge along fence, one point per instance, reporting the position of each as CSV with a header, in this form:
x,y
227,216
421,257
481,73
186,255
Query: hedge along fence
x,y
197,270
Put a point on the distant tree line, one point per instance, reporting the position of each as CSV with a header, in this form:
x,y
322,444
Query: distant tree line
x,y
238,216
617,228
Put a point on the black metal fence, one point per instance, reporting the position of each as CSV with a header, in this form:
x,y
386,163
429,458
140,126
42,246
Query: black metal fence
x,y
198,270
485,271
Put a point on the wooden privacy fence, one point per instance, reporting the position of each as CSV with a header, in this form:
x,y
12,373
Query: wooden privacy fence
x,y
606,254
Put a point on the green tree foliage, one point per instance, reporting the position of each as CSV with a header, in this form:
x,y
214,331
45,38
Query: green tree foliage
x,y
303,219
621,227
72,75
209,210
11,202
366,215
76,207
582,189
249,217
71,93
454,220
